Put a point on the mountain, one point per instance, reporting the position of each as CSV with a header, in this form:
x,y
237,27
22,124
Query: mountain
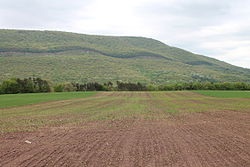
x,y
64,56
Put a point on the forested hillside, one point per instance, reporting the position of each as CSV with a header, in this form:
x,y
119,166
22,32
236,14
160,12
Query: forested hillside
x,y
63,56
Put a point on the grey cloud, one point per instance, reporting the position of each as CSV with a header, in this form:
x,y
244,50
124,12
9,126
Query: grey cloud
x,y
37,13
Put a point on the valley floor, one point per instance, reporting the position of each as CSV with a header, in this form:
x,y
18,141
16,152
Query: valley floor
x,y
128,129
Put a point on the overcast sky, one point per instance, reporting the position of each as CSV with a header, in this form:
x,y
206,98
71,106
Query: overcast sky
x,y
215,28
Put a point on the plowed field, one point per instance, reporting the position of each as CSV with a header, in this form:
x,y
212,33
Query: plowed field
x,y
128,129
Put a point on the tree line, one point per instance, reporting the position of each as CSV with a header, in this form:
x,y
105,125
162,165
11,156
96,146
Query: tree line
x,y
38,85
26,85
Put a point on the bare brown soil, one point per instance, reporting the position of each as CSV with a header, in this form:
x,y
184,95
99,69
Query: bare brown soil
x,y
185,139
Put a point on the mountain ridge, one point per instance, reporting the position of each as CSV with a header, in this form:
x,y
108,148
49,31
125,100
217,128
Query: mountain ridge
x,y
150,60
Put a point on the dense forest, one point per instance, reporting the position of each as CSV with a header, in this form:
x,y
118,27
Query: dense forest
x,y
38,85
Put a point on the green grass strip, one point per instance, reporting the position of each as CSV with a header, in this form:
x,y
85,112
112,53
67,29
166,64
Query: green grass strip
x,y
11,100
224,94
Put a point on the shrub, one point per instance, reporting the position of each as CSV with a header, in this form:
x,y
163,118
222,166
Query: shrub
x,y
10,87
58,88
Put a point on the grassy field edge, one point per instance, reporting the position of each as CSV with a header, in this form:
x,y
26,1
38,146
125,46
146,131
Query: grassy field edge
x,y
13,100
224,93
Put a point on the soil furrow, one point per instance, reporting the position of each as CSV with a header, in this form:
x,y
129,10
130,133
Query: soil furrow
x,y
109,135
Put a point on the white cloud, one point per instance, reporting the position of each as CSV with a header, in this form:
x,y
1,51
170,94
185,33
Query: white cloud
x,y
239,56
235,52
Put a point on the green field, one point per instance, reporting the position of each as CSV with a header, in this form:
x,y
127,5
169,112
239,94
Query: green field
x,y
225,94
105,106
11,100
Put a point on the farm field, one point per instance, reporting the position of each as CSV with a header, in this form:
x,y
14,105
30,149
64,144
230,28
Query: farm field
x,y
11,100
225,94
128,129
